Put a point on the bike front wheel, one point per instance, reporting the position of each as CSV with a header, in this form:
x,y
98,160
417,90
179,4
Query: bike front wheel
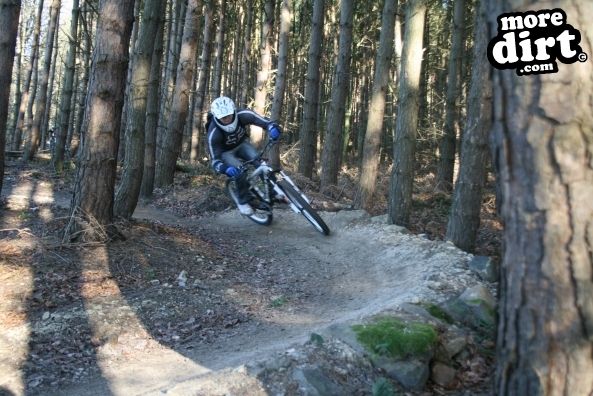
x,y
259,216
304,208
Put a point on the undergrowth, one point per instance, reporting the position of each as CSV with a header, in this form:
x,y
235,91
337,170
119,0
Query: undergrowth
x,y
395,338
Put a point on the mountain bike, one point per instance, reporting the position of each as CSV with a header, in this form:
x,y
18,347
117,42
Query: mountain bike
x,y
271,186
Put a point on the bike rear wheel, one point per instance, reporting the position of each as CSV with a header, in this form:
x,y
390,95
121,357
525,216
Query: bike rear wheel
x,y
304,208
260,215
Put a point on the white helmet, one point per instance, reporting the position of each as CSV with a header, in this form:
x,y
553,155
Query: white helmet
x,y
222,107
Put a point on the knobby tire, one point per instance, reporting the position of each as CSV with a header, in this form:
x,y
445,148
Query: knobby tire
x,y
306,210
260,217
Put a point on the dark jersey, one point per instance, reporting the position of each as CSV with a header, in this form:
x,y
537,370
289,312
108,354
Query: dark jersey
x,y
220,141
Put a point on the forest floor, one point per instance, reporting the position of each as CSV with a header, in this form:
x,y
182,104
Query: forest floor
x,y
195,291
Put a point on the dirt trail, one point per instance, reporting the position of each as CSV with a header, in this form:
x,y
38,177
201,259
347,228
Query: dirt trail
x,y
364,267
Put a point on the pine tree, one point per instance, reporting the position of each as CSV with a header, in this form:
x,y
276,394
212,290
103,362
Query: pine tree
x,y
334,138
402,176
95,182
9,26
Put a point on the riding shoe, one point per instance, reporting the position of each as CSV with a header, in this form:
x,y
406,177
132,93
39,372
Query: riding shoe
x,y
245,209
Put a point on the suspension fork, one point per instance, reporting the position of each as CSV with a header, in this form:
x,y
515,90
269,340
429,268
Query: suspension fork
x,y
293,184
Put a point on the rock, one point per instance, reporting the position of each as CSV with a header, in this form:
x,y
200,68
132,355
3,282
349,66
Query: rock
x,y
443,375
411,374
485,267
182,279
474,308
345,334
397,229
455,345
382,219
477,294
45,316
389,227
420,312
312,381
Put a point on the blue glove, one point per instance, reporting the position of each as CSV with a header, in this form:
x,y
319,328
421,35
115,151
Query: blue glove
x,y
231,171
274,131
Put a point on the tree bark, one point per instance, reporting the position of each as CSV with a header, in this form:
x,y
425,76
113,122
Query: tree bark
x,y
448,142
27,97
165,171
245,62
402,176
9,27
35,133
219,55
168,82
334,138
203,75
21,34
374,128
125,118
308,130
66,99
95,182
263,75
543,142
280,87
76,137
152,112
127,194
51,88
464,218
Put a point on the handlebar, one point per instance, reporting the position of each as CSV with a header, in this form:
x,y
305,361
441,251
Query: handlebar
x,y
266,148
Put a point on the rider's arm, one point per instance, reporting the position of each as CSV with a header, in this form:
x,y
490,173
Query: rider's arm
x,y
216,148
248,117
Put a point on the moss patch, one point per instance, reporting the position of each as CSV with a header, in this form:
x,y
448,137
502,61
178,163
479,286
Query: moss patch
x,y
395,338
438,313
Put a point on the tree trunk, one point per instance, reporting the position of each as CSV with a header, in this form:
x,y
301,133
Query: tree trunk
x,y
308,130
9,27
168,83
9,140
125,118
263,75
29,84
72,118
334,138
245,62
165,171
66,99
95,182
464,219
543,142
285,21
152,112
232,87
219,56
35,132
50,91
128,192
402,176
374,129
203,74
28,124
87,33
447,146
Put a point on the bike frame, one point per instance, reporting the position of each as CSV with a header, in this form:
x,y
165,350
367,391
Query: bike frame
x,y
274,185
264,171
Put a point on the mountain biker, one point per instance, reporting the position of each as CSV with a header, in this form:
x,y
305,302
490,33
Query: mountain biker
x,y
229,145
